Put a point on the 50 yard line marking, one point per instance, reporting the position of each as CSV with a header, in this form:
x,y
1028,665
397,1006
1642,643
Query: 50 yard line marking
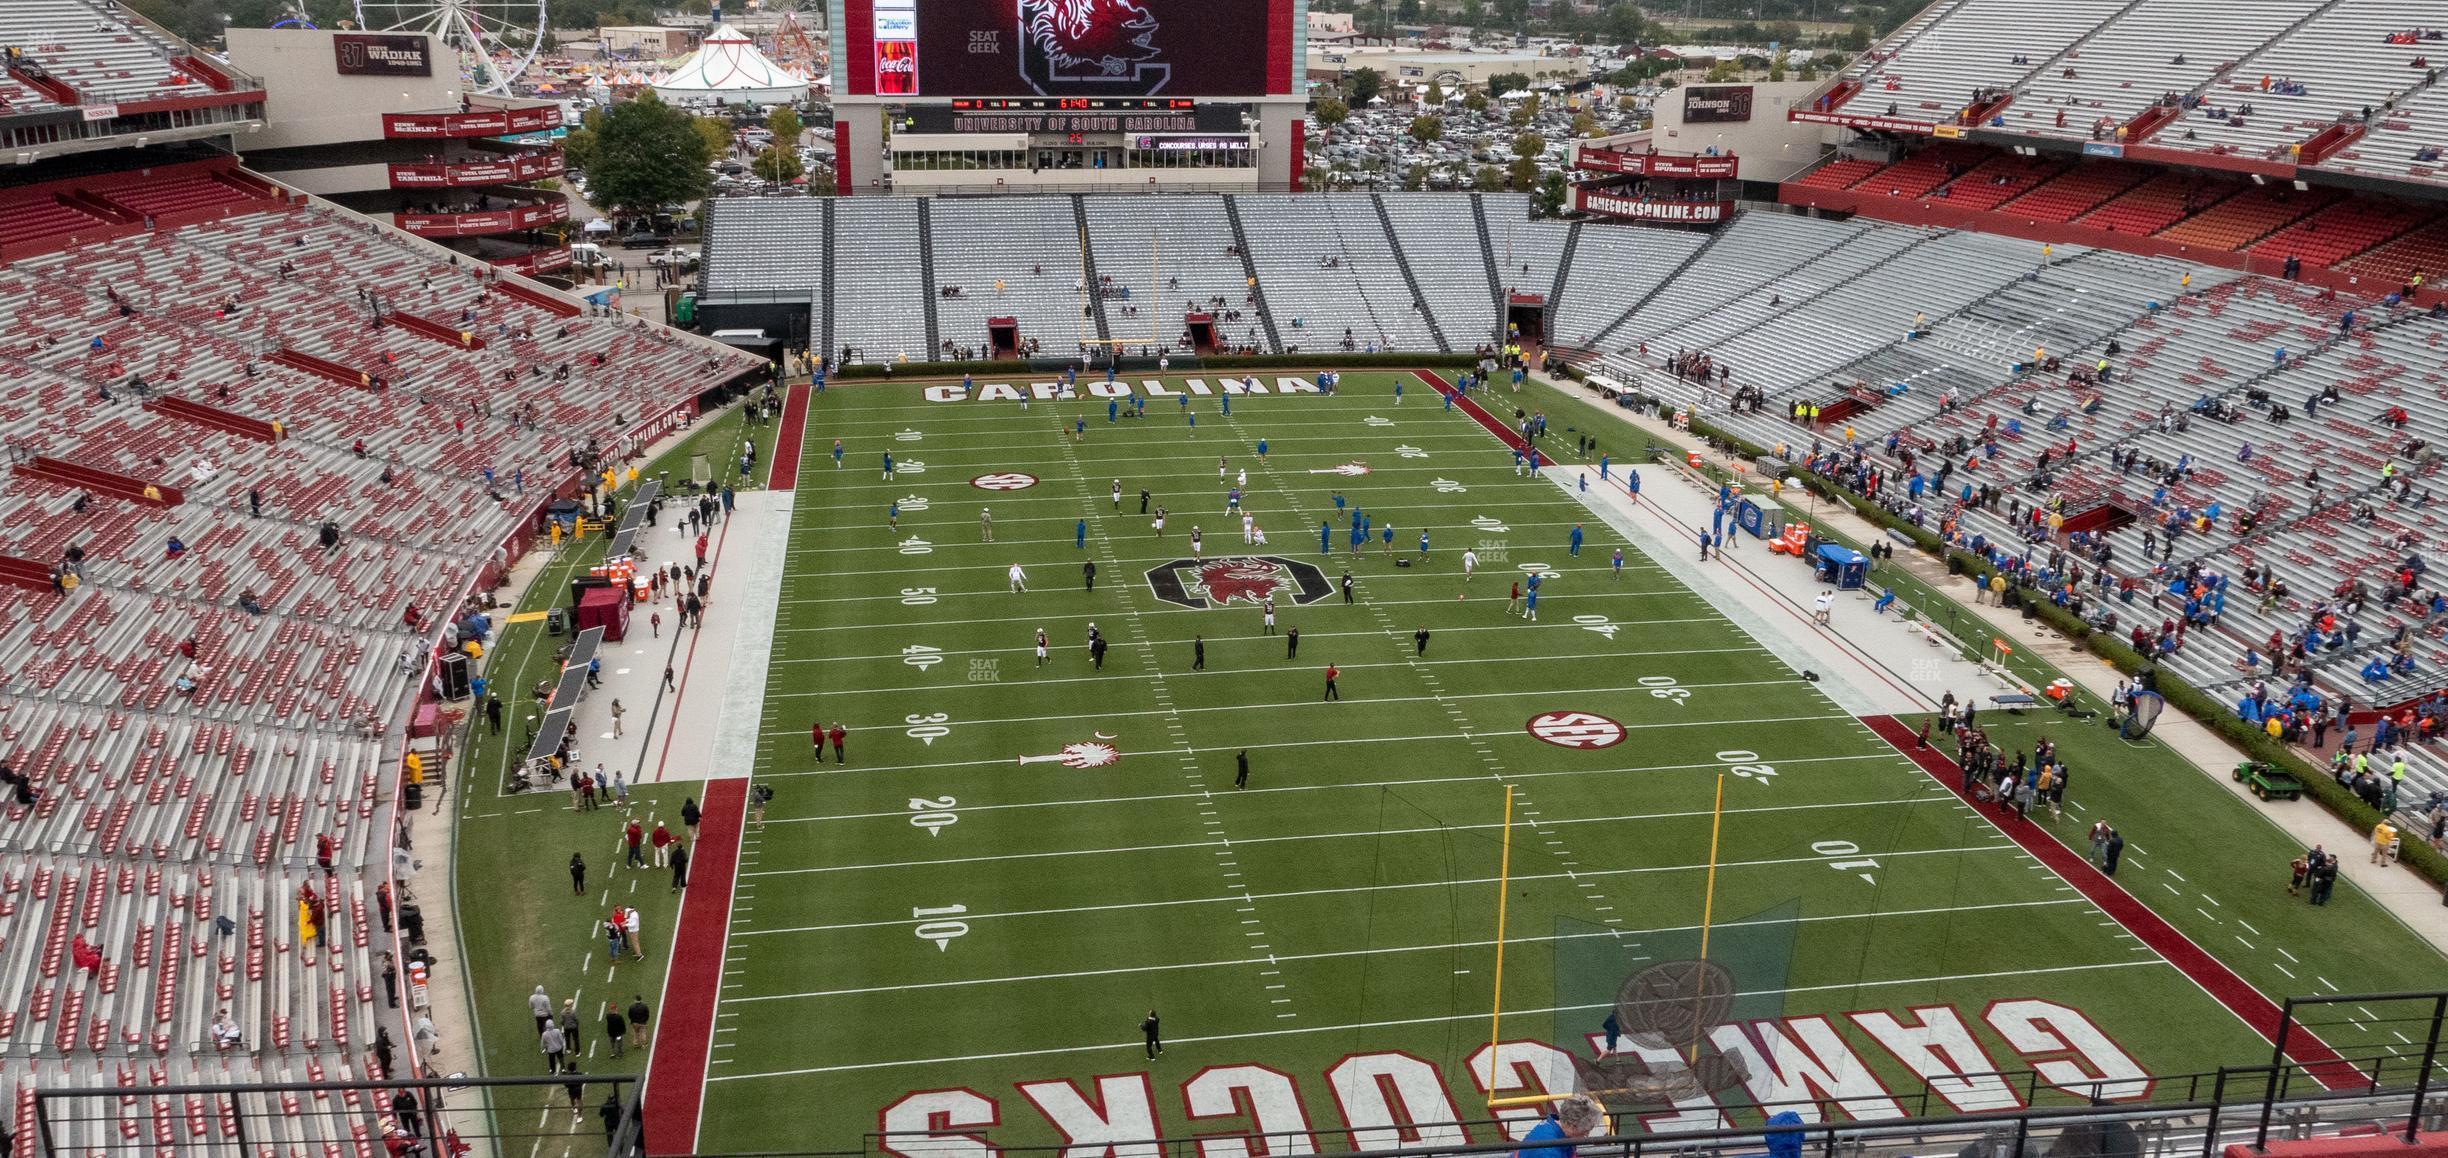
x,y
1254,932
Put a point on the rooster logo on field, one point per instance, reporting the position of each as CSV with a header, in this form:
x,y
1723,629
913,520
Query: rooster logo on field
x,y
1249,580
1090,45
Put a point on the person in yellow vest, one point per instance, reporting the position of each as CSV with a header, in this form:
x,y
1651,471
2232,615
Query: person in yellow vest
x,y
416,769
2185,282
2384,843
554,526
633,476
306,925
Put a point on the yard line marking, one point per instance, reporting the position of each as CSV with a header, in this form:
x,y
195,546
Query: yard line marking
x,y
1222,847
1469,1017
1339,954
1404,637
2287,955
1548,691
1005,762
2248,926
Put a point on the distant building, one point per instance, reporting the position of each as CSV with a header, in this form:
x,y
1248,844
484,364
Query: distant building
x,y
645,41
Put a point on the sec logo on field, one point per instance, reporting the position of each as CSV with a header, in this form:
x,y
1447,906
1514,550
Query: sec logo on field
x,y
1575,730
1004,481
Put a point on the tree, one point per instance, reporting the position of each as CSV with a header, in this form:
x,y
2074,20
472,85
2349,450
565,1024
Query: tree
x,y
1526,111
1552,194
1415,178
1435,96
784,123
648,154
1427,129
776,165
1505,82
1475,101
1407,11
1524,172
1328,113
1489,179
1363,85
715,132
1584,125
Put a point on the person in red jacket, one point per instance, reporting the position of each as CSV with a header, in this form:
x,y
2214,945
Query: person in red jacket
x,y
86,956
662,839
816,736
837,735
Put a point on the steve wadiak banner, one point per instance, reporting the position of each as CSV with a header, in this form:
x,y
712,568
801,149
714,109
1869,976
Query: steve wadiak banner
x,y
1194,387
1392,1099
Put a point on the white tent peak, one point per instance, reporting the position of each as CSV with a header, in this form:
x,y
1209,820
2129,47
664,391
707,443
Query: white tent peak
x,y
727,68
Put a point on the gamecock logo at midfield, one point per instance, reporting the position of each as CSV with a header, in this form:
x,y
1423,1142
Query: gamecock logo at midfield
x,y
1250,579
1071,47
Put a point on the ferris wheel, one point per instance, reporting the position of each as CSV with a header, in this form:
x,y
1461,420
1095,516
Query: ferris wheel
x,y
497,39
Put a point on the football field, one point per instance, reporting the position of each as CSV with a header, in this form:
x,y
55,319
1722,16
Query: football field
x,y
962,926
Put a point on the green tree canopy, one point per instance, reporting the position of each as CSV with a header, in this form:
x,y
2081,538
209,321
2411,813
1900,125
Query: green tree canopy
x,y
784,123
776,165
1426,129
1363,85
1329,113
1505,82
1475,101
1551,196
649,154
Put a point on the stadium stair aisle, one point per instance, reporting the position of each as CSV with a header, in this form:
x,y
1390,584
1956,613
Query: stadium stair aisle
x,y
2406,895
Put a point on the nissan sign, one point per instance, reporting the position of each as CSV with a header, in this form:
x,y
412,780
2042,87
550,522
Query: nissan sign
x,y
359,54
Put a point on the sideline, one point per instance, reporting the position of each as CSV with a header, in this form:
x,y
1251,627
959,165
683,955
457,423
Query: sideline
x,y
683,1036
2304,1047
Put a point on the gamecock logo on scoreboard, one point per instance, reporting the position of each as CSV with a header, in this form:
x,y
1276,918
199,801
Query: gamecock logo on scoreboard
x,y
1072,46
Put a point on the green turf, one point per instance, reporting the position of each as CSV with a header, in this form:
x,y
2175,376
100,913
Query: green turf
x,y
1344,903
520,923
1366,845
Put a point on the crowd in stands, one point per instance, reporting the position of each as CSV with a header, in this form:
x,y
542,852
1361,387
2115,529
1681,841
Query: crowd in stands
x,y
249,503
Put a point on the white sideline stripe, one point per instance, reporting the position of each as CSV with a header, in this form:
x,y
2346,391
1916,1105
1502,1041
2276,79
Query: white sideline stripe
x,y
1549,692
1027,649
1575,875
1339,953
1472,1017
1000,590
903,814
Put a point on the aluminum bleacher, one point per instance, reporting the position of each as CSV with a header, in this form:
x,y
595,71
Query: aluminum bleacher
x,y
2158,47
2344,62
219,688
95,50
1444,255
1173,256
758,247
882,289
1015,257
2196,379
1927,71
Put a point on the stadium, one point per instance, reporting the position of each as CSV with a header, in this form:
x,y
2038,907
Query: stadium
x,y
1692,658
